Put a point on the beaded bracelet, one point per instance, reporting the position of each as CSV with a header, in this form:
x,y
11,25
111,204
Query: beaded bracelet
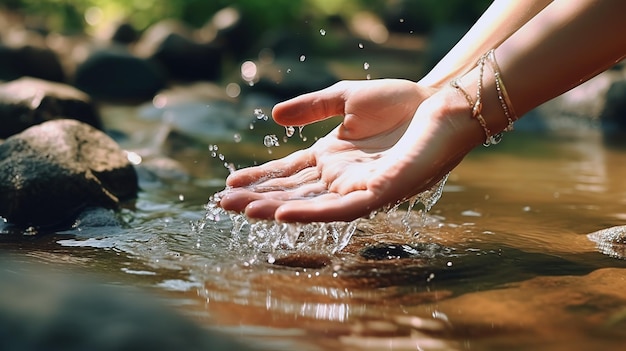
x,y
476,106
503,96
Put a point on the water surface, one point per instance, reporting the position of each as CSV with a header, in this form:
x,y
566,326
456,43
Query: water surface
x,y
502,261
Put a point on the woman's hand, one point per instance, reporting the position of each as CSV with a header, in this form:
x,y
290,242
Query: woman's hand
x,y
395,141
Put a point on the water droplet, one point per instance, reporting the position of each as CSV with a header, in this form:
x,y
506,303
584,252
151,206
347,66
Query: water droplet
x,y
302,58
288,70
401,20
368,76
430,277
237,137
251,126
360,45
289,131
258,113
270,140
181,197
302,137
323,32
366,66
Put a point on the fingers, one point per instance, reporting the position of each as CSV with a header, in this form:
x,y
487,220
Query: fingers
x,y
330,207
286,206
311,107
239,199
283,167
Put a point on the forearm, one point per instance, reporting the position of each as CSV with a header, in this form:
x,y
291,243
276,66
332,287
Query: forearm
x,y
500,20
560,48
563,46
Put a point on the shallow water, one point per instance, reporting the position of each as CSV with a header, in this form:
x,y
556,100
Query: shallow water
x,y
502,261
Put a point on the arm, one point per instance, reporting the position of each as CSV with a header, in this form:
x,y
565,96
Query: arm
x,y
564,45
500,20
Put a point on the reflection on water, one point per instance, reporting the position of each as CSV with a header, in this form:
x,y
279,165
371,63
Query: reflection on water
x,y
501,261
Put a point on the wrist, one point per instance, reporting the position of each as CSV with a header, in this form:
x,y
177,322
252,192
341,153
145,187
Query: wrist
x,y
487,98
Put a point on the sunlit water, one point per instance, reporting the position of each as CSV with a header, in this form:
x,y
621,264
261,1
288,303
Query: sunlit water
x,y
501,262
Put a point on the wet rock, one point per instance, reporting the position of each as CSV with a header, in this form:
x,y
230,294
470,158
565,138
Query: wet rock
x,y
42,309
50,172
303,260
114,73
26,54
28,101
389,251
173,46
610,241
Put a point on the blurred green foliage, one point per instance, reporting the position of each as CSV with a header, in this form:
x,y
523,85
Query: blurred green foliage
x,y
70,15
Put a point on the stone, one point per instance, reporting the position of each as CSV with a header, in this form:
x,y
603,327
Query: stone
x,y
115,74
52,171
613,115
27,101
26,54
173,46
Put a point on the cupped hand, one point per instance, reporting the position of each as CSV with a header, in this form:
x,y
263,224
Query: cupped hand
x,y
394,142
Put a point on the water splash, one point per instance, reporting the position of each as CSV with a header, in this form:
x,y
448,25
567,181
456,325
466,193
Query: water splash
x,y
426,198
270,140
262,240
265,240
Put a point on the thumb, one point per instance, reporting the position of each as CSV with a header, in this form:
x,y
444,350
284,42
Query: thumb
x,y
311,107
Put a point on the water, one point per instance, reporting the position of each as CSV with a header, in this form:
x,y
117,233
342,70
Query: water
x,y
501,261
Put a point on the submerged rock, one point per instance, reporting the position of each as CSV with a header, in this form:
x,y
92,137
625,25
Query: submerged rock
x,y
610,241
50,172
27,101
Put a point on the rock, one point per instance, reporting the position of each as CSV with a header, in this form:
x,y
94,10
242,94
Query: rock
x,y
29,101
303,260
173,46
610,241
114,73
52,171
124,33
613,115
27,55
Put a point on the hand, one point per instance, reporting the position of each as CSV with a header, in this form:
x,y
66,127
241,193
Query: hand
x,y
381,154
